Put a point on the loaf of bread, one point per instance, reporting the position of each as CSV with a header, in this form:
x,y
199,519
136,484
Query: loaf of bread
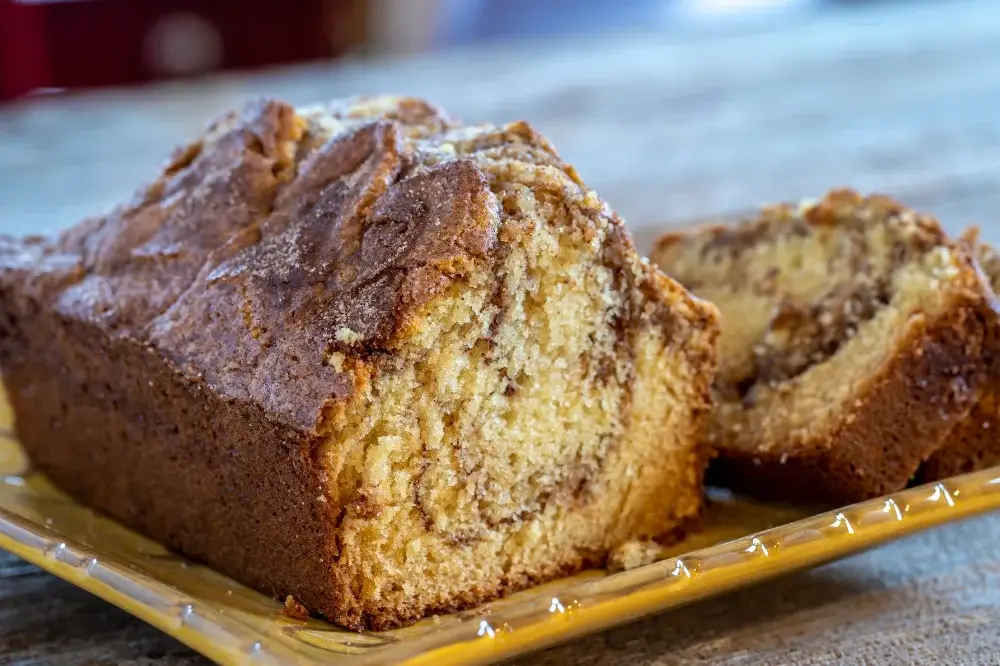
x,y
975,441
365,356
854,338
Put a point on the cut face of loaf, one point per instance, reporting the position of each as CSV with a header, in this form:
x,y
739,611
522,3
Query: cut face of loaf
x,y
975,441
853,336
365,356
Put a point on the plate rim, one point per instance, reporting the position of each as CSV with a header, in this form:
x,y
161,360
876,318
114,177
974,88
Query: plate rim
x,y
105,577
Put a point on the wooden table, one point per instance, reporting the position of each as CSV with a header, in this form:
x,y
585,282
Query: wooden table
x,y
899,97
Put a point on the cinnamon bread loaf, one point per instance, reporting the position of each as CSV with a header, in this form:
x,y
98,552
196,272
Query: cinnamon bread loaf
x,y
365,356
853,339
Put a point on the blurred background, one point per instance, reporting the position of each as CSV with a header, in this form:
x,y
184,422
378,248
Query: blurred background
x,y
672,109
58,44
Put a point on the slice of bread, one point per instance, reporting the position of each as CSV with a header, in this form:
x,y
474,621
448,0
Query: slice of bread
x,y
853,342
365,356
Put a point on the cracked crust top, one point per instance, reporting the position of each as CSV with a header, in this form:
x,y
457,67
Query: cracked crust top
x,y
279,227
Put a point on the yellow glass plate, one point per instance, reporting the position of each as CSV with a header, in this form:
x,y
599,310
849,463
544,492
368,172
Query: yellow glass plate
x,y
741,542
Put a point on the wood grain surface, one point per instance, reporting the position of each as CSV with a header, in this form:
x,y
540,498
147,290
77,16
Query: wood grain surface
x,y
898,97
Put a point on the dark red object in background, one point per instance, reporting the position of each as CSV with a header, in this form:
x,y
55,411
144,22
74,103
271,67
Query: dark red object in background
x,y
92,43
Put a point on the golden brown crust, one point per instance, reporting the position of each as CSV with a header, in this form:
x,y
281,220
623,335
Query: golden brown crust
x,y
331,252
197,483
974,443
